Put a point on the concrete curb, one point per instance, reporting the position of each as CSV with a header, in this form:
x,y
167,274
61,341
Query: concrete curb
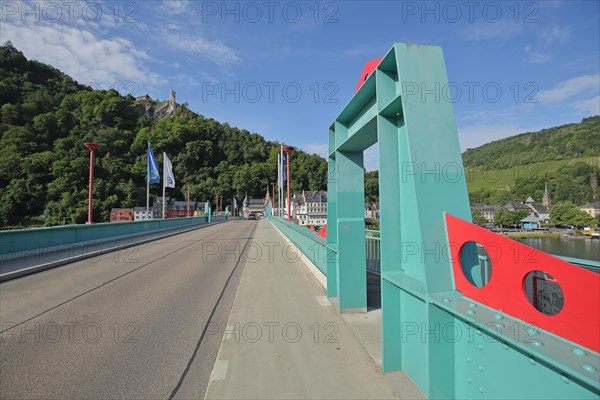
x,y
321,277
58,263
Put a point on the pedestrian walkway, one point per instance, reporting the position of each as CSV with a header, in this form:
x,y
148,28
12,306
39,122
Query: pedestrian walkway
x,y
284,340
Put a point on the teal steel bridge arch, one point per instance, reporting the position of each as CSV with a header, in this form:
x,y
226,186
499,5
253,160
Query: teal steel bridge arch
x,y
489,343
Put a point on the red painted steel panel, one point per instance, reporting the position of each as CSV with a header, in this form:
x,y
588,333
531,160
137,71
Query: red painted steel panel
x,y
367,70
579,319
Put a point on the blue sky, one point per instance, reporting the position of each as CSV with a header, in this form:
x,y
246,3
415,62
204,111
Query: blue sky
x,y
285,69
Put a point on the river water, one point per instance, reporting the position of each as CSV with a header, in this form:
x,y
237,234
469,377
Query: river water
x,y
588,249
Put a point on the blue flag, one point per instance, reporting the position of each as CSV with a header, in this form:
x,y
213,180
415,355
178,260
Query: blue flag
x,y
283,168
153,175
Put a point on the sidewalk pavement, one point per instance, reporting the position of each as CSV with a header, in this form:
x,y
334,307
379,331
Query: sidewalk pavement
x,y
284,340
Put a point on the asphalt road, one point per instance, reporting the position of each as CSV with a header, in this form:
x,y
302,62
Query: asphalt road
x,y
126,325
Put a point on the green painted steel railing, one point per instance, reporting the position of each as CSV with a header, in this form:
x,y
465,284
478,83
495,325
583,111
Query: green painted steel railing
x,y
373,248
23,240
307,241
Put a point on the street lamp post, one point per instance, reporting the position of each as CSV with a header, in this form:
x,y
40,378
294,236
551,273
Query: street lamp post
x,y
288,152
92,147
188,185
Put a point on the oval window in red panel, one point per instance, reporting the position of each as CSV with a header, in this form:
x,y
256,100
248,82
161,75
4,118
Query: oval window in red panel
x,y
475,263
543,292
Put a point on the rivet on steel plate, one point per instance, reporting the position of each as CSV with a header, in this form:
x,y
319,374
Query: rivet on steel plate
x,y
578,352
589,368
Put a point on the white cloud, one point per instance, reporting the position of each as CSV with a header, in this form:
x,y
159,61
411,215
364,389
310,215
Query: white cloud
x,y
571,87
536,56
214,50
588,107
555,34
175,7
501,30
548,40
80,54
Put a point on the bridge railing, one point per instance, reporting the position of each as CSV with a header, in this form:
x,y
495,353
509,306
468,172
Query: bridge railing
x,y
308,242
25,240
373,247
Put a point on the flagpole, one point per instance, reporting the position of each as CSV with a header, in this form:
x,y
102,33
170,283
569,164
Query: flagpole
x,y
281,204
279,186
164,181
148,182
278,177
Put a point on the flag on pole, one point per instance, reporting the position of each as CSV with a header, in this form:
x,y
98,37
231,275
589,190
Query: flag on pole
x,y
283,165
153,175
278,171
168,172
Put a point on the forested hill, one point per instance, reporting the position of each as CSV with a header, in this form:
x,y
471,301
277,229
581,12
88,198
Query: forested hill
x,y
558,143
566,157
45,117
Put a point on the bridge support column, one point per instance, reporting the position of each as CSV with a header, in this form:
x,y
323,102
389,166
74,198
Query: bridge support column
x,y
351,261
332,243
388,136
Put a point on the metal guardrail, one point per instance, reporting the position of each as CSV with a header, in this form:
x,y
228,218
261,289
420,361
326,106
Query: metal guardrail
x,y
372,239
23,240
373,244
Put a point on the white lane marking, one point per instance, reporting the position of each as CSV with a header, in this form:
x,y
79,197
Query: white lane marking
x,y
219,371
323,300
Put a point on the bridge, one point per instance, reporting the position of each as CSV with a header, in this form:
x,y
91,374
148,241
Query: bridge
x,y
430,306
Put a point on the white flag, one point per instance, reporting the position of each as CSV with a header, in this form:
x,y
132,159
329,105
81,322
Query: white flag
x,y
169,178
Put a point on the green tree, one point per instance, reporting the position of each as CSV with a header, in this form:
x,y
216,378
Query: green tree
x,y
563,213
478,218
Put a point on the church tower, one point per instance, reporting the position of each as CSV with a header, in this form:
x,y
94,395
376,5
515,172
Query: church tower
x,y
546,198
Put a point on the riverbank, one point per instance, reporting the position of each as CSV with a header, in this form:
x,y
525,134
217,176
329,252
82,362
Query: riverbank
x,y
532,235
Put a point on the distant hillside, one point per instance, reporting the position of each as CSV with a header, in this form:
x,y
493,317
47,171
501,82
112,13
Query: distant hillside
x,y
566,157
558,143
46,116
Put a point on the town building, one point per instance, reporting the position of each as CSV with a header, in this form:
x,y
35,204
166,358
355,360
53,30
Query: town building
x,y
141,214
531,222
371,211
540,210
488,211
253,206
546,198
517,206
121,214
592,209
310,208
175,208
